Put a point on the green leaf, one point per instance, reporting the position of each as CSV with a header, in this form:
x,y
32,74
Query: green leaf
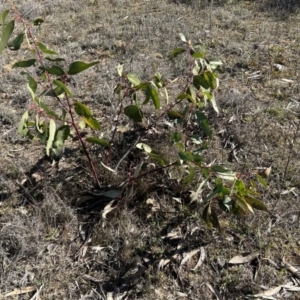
x,y
237,210
32,84
38,22
241,201
24,63
175,137
176,52
23,128
45,108
157,157
215,63
82,110
173,115
215,220
92,122
144,147
240,187
190,177
206,80
6,33
62,133
133,78
255,203
44,49
95,140
261,180
151,92
54,59
42,128
198,55
79,66
58,91
134,113
17,42
186,156
203,123
217,190
192,92
219,169
206,215
55,70
226,203
62,86
158,80
186,96
118,89
52,128
4,15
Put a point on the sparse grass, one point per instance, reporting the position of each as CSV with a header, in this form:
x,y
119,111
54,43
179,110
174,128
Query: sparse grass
x,y
71,252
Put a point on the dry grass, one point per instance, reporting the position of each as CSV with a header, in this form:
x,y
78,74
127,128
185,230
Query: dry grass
x,y
68,251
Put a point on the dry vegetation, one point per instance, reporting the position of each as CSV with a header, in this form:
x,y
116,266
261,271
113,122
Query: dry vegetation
x,y
58,248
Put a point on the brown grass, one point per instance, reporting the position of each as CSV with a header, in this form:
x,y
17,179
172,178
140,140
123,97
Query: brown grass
x,y
68,250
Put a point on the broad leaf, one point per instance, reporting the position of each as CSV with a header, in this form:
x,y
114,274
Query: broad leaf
x,y
58,91
38,22
45,50
186,96
61,135
17,42
176,52
175,137
154,96
82,110
95,140
54,59
23,128
144,147
173,115
92,122
24,63
6,33
61,85
52,128
255,203
219,169
190,177
206,80
55,70
133,78
203,123
45,108
79,66
157,157
4,15
198,55
134,113
218,189
240,200
261,180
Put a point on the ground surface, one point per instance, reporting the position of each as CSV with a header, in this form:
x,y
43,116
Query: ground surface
x,y
53,248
